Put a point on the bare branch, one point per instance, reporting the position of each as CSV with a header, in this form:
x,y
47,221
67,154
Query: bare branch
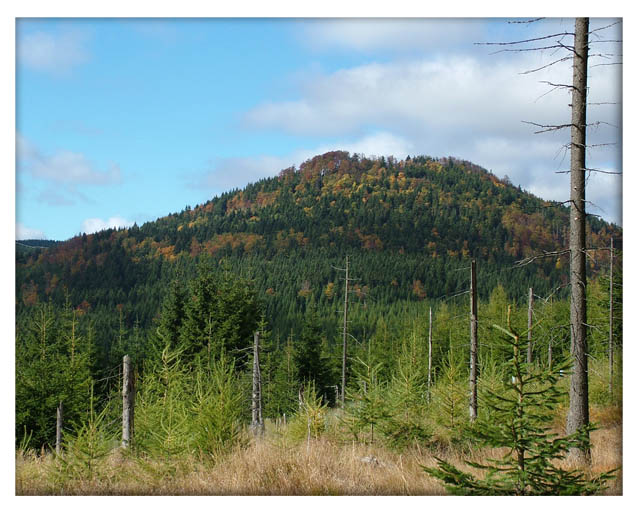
x,y
515,22
562,34
598,123
599,171
603,145
558,85
543,95
568,48
607,64
529,260
547,127
605,27
538,48
546,65
603,55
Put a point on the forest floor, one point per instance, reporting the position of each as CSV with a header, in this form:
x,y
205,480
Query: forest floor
x,y
277,466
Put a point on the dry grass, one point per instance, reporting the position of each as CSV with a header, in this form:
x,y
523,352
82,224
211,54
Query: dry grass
x,y
275,467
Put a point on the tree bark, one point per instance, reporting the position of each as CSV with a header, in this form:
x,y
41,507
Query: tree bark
x,y
128,393
473,352
529,325
257,424
344,332
59,419
430,357
578,416
611,318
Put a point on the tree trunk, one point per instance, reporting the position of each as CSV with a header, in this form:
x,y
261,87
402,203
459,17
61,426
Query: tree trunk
x,y
59,414
611,319
529,325
430,357
127,401
473,352
578,416
344,331
257,424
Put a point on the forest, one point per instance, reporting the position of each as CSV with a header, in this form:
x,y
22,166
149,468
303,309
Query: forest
x,y
187,296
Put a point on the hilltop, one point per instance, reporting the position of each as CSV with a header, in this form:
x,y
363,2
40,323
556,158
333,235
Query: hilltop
x,y
408,226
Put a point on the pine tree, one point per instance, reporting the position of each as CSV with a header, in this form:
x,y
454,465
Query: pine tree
x,y
520,420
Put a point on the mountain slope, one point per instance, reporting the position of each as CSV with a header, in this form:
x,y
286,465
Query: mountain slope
x,y
408,226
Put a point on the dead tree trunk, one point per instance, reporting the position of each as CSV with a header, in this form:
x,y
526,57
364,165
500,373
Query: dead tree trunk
x,y
257,425
611,318
430,357
128,396
578,416
59,415
529,326
473,363
344,331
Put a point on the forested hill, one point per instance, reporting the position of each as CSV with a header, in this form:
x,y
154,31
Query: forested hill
x,y
409,227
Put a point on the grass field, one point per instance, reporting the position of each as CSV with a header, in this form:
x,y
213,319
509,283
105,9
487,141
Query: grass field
x,y
276,465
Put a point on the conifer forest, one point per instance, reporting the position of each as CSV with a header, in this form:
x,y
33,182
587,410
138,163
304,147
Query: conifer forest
x,y
354,324
255,280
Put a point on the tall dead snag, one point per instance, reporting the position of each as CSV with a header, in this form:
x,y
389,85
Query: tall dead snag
x,y
59,419
529,326
430,358
473,352
128,397
344,327
344,331
257,424
578,415
611,318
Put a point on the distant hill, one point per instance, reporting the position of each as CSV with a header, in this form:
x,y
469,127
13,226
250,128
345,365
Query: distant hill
x,y
36,243
28,247
409,226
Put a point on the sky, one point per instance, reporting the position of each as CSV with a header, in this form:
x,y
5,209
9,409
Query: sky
x,y
126,120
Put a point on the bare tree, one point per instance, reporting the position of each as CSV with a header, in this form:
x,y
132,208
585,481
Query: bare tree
x,y
345,333
257,424
473,351
578,416
578,54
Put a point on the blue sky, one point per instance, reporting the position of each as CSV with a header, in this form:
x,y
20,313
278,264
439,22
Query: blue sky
x,y
122,121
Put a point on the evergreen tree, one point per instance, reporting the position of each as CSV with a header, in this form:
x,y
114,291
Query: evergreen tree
x,y
520,420
311,359
53,364
220,316
368,407
281,390
407,399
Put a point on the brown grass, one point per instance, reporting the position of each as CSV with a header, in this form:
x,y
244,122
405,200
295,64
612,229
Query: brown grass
x,y
275,467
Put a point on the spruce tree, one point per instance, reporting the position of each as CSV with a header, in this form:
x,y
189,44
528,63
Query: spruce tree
x,y
368,407
520,420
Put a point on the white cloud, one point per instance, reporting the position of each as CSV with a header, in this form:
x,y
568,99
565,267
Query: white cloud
x,y
52,53
391,34
91,225
462,106
63,167
228,173
63,172
27,233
